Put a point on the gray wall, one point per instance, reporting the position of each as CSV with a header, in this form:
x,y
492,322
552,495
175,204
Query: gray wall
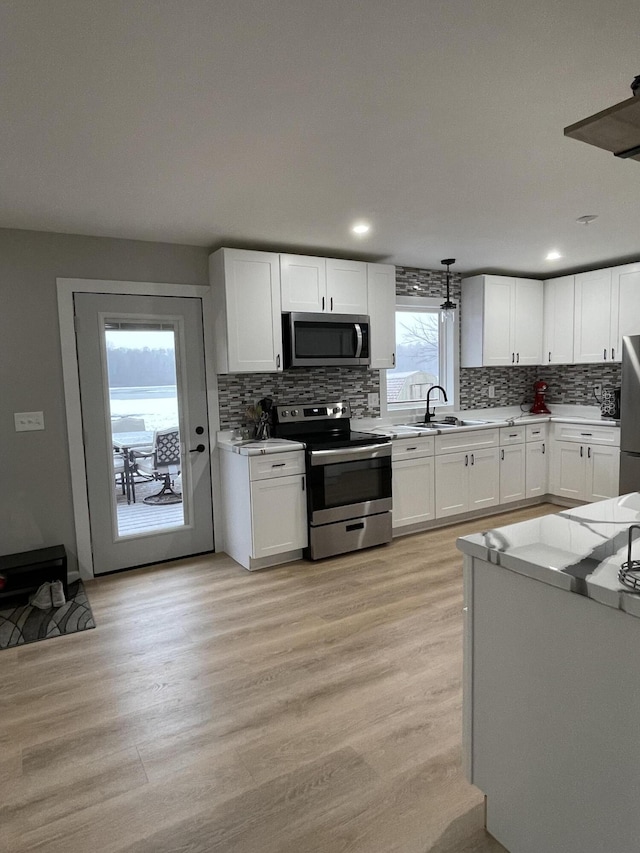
x,y
35,495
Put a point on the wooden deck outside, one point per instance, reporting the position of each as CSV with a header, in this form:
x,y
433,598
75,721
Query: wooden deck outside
x,y
140,517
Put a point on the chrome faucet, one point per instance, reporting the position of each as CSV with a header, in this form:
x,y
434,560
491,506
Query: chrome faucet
x,y
428,415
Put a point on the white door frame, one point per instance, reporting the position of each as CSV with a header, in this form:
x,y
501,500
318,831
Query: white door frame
x,y
66,288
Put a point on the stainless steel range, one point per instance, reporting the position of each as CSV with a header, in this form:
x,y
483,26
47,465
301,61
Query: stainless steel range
x,y
348,477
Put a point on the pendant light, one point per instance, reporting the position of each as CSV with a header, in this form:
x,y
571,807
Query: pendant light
x,y
448,308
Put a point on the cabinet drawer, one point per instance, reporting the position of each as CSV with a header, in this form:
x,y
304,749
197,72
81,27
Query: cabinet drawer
x,y
455,441
276,465
512,435
537,432
587,434
412,448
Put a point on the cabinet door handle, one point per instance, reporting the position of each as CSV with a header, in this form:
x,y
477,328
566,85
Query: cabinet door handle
x,y
278,361
393,358
513,357
544,450
331,309
513,435
473,460
580,450
303,483
518,358
586,434
613,354
278,465
466,459
503,455
411,448
605,353
588,453
323,303
549,355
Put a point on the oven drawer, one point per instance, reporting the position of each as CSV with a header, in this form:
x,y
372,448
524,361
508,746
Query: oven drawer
x,y
350,535
276,465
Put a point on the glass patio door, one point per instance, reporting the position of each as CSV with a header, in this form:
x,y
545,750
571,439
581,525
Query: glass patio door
x,y
146,435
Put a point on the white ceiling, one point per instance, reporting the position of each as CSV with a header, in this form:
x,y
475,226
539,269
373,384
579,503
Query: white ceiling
x,y
276,123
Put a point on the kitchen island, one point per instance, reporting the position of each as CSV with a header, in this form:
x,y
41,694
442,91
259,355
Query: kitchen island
x,y
552,680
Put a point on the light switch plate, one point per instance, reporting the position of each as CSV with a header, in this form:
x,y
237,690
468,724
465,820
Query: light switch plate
x,y
373,400
491,390
26,421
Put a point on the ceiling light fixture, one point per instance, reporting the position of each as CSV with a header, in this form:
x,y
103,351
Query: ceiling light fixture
x,y
585,220
616,129
448,308
553,255
361,228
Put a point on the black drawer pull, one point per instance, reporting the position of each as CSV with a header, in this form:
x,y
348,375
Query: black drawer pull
x,y
358,526
278,465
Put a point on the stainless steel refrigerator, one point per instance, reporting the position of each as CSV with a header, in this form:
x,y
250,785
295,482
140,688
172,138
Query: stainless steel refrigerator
x,y
630,416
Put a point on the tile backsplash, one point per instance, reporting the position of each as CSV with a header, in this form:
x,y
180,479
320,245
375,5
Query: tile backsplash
x,y
299,385
570,383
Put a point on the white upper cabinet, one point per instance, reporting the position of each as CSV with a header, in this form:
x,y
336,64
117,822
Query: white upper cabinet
x,y
347,287
596,316
316,285
559,296
245,289
626,284
501,321
303,282
381,286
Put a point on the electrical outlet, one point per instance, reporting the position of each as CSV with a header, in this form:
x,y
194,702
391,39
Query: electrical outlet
x,y
491,391
373,400
27,421
597,390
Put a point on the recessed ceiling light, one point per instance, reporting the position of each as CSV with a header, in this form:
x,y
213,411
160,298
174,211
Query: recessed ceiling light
x,y
361,228
553,255
585,220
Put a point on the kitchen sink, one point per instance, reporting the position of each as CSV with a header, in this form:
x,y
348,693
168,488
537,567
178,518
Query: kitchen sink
x,y
444,424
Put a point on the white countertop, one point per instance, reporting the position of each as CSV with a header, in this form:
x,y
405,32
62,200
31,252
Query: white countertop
x,y
579,550
498,417
253,447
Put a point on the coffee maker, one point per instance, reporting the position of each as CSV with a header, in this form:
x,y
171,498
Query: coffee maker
x,y
539,406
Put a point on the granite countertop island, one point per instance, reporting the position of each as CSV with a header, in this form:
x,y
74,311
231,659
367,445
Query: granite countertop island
x,y
551,680
579,550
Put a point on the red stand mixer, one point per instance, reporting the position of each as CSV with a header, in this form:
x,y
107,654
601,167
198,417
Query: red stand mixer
x,y
539,406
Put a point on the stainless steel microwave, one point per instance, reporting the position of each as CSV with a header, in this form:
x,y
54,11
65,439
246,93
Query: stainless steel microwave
x,y
321,340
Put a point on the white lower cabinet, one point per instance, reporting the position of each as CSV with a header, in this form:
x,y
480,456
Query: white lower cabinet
x,y
536,469
584,470
466,481
265,507
512,473
278,515
413,481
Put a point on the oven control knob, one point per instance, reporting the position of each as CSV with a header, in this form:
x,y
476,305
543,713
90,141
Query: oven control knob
x,y
294,412
337,410
285,414
344,411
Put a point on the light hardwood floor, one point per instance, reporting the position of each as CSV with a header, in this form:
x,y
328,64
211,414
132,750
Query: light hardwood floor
x,y
312,707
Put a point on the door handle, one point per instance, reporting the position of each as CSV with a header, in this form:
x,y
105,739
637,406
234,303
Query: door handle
x,y
543,450
588,453
278,361
605,353
466,459
580,450
323,303
200,448
549,355
331,309
303,483
393,358
513,358
503,455
613,354
473,460
518,358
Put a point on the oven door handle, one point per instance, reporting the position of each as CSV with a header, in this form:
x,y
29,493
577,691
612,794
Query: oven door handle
x,y
349,454
358,329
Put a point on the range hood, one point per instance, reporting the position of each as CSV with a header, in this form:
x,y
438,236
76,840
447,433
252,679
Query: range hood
x,y
616,129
